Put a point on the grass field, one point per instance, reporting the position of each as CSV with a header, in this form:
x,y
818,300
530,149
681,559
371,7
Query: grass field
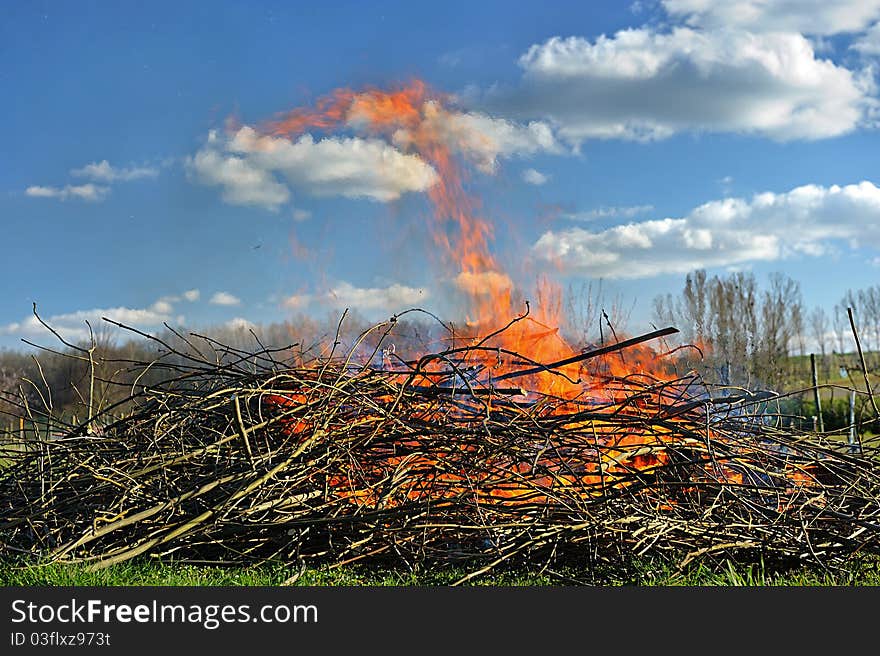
x,y
644,573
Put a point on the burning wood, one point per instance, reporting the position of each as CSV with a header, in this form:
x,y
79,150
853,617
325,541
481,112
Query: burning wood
x,y
245,458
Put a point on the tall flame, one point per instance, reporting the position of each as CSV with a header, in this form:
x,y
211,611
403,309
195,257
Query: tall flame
x,y
417,120
413,118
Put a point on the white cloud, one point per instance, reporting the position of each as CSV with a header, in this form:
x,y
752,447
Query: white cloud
x,y
246,166
38,191
395,296
534,177
240,323
301,215
103,172
392,298
643,84
808,221
337,166
243,182
162,306
625,211
97,171
480,137
819,17
259,169
225,298
88,192
72,326
166,303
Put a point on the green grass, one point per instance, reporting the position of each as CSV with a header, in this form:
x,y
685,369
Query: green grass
x,y
642,573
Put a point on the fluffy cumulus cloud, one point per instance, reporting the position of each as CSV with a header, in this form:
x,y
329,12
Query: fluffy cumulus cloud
x,y
648,84
248,166
808,221
260,169
103,172
394,297
90,192
819,17
338,166
756,67
225,298
72,326
243,182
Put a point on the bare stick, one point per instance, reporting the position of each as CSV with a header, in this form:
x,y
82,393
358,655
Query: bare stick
x,y
590,354
852,323
816,393
91,352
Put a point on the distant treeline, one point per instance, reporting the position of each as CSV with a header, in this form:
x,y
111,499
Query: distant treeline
x,y
747,336
58,381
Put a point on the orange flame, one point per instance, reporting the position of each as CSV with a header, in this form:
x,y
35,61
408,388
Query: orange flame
x,y
417,119
411,117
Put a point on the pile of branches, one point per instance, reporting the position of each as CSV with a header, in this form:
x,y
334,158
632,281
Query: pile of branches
x,y
244,457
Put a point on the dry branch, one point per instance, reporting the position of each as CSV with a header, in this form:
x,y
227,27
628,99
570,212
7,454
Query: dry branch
x,y
249,457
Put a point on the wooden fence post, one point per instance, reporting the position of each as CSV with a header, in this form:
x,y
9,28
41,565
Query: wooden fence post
x,y
852,323
816,392
855,444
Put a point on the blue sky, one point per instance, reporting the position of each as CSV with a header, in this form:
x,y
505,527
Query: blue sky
x,y
624,142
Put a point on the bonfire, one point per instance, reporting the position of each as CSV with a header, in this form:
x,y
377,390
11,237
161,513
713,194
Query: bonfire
x,y
506,444
453,457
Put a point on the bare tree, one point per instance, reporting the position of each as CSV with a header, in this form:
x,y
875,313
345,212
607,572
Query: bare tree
x,y
818,323
841,327
582,311
665,311
696,304
732,323
780,304
747,332
798,328
870,306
